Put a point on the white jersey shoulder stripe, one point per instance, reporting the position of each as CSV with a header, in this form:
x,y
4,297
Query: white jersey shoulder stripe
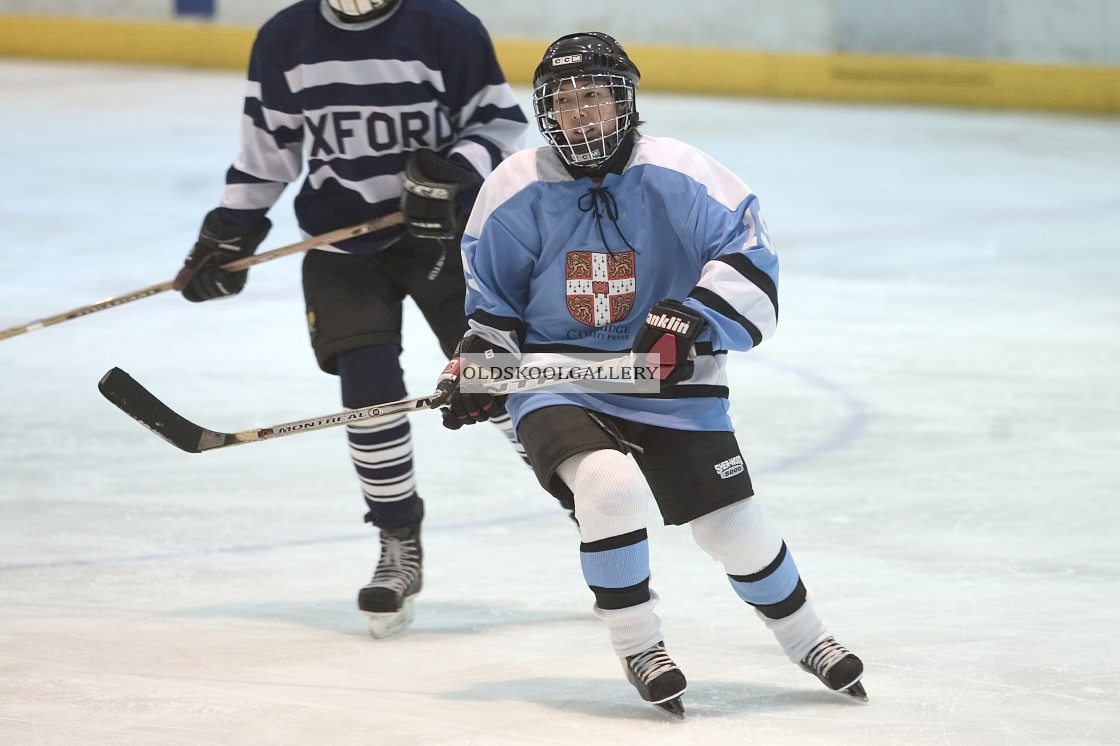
x,y
501,96
723,186
510,177
362,72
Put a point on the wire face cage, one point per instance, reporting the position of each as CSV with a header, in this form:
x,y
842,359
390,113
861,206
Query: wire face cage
x,y
585,117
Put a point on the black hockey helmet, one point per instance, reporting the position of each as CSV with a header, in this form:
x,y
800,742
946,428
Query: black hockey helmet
x,y
356,11
587,59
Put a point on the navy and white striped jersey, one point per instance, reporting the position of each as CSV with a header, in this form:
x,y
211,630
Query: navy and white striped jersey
x,y
353,100
556,265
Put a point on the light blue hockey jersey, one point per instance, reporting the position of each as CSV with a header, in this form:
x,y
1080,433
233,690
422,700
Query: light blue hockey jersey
x,y
353,100
555,265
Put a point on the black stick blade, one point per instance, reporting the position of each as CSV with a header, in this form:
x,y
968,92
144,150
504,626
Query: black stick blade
x,y
141,405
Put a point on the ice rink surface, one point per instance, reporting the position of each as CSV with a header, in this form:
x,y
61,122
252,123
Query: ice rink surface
x,y
934,429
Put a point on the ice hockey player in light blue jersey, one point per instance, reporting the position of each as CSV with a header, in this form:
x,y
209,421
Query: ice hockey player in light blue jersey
x,y
391,105
612,262
610,240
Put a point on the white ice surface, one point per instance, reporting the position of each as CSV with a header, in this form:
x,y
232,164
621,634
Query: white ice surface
x,y
934,429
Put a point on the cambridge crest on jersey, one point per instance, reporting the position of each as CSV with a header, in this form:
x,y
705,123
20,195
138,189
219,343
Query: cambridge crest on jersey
x,y
600,286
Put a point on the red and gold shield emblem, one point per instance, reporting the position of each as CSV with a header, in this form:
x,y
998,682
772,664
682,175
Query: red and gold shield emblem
x,y
600,286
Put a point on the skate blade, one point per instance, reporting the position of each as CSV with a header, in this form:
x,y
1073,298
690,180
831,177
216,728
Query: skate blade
x,y
384,624
673,706
856,691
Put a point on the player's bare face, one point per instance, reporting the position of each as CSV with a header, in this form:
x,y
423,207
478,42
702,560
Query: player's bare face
x,y
585,110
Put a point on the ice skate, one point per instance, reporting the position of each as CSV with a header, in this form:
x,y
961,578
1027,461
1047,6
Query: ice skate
x,y
837,667
388,597
657,678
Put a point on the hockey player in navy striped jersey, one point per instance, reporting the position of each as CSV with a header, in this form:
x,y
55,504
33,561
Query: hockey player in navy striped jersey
x,y
605,241
391,105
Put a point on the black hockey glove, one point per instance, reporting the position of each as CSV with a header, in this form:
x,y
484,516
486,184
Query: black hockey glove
x,y
670,330
430,200
202,277
460,408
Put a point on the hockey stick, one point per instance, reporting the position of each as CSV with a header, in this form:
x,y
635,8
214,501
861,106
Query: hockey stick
x,y
342,234
143,406
126,393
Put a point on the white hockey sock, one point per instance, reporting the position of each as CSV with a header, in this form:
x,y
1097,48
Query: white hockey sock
x,y
382,455
611,498
741,537
798,632
634,628
610,492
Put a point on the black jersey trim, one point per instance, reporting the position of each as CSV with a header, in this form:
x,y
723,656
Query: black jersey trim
x,y
723,308
744,266
510,324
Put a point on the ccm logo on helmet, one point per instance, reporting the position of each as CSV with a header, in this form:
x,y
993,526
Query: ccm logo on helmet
x,y
569,59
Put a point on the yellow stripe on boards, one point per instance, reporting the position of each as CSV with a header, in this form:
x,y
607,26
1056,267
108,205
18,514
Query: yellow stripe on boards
x,y
825,77
189,43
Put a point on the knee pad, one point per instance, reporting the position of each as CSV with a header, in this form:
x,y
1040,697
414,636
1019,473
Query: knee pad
x,y
740,536
611,495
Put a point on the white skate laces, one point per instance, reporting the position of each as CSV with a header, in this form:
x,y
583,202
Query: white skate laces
x,y
837,667
649,664
388,596
658,680
398,566
826,655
